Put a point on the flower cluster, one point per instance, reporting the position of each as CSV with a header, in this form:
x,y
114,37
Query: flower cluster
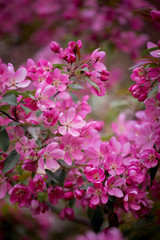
x,y
50,151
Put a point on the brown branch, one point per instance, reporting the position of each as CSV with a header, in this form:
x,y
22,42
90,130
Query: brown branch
x,y
8,116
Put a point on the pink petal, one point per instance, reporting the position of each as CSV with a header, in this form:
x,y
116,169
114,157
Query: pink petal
x,y
61,87
62,130
51,163
51,146
3,190
70,114
24,84
134,206
68,159
104,199
95,200
118,192
57,154
73,132
20,75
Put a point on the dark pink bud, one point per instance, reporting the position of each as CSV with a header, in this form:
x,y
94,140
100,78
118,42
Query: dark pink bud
x,y
68,195
54,47
68,184
88,74
67,213
155,15
79,193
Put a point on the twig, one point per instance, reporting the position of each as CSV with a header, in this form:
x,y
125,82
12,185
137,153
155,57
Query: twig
x,y
8,116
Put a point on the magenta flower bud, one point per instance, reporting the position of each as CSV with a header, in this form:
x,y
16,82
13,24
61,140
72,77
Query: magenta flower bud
x,y
79,193
68,195
88,74
54,47
68,184
155,15
67,213
142,97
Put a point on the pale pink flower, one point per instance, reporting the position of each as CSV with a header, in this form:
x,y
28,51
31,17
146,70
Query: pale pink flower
x,y
72,148
49,155
43,96
71,123
16,79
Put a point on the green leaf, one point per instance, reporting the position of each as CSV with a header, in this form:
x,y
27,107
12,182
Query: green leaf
x,y
58,177
11,161
10,99
5,108
59,65
11,124
93,84
75,86
74,97
154,91
26,109
96,217
145,52
4,139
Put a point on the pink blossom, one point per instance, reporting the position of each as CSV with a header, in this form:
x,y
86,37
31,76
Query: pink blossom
x,y
72,148
155,53
37,184
96,57
133,199
43,95
38,207
71,123
49,155
54,194
50,117
67,213
150,158
20,193
114,164
95,175
59,80
16,79
99,194
25,146
112,185
4,185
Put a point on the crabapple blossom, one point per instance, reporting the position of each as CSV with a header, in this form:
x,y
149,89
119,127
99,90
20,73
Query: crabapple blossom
x,y
99,193
112,185
71,123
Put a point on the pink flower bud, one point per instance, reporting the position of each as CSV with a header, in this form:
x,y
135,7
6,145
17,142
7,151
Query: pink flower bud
x,y
79,193
68,184
68,195
54,47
